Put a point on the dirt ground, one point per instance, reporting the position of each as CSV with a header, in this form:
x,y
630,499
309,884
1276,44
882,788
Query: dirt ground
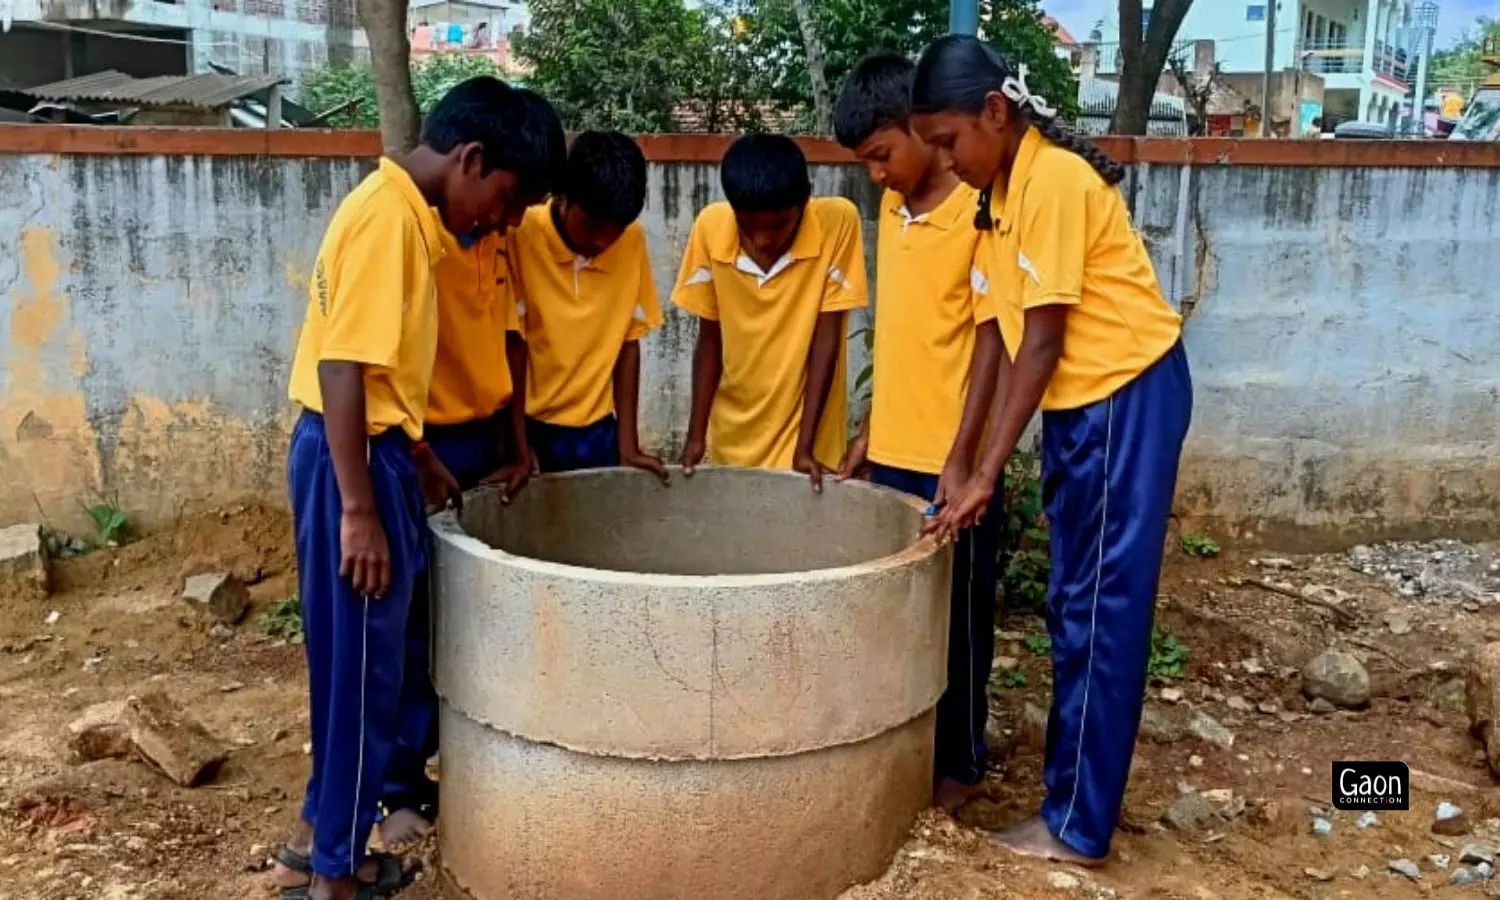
x,y
118,830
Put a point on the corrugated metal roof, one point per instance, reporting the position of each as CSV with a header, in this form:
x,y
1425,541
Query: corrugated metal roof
x,y
1098,97
209,91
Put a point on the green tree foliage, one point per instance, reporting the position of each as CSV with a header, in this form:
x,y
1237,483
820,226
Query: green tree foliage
x,y
851,29
431,77
622,64
1461,67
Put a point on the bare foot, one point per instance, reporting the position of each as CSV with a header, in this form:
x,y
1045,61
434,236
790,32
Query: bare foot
x,y
402,827
1033,838
949,795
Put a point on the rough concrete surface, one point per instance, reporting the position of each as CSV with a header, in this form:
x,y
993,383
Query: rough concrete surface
x,y
24,568
610,733
1342,363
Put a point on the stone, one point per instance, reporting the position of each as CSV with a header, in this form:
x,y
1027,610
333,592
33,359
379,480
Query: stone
x,y
1274,563
1191,812
1321,707
1171,695
1319,874
1034,725
1238,703
1367,820
1439,860
1398,622
1361,872
172,740
221,632
1405,867
1268,707
25,567
1321,826
1219,796
1195,761
1207,728
1160,728
1337,677
1005,663
1464,878
1447,809
220,595
100,732
1485,870
1482,699
1471,854
1454,826
1063,881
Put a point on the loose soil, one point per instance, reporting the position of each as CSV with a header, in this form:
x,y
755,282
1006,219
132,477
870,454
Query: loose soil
x,y
118,830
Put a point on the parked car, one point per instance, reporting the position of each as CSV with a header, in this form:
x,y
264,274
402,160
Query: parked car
x,y
1364,131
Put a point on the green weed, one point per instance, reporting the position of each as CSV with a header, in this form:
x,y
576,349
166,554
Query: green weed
x,y
1025,554
111,525
1012,678
1039,644
1200,546
1169,657
283,619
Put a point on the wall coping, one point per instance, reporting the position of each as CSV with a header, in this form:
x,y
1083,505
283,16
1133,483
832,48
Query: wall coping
x,y
708,148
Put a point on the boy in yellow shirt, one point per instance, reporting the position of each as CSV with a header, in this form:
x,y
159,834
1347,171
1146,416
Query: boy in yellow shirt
x,y
355,468
583,279
473,433
937,351
770,275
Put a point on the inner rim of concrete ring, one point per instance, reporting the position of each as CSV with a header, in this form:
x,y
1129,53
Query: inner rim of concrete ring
x,y
448,527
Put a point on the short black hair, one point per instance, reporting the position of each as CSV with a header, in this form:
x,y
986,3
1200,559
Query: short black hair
x,y
765,173
877,93
519,130
606,176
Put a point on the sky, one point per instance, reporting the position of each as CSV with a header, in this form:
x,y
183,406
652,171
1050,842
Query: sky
x,y
1078,16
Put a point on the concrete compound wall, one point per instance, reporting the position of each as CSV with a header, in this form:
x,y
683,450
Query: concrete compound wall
x,y
1341,317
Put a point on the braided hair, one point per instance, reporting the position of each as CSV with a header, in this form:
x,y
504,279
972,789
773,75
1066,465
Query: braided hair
x,y
958,72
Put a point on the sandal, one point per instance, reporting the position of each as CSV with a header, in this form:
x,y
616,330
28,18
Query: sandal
x,y
391,877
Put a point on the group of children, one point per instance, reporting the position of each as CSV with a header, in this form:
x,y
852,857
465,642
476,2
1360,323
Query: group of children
x,y
475,317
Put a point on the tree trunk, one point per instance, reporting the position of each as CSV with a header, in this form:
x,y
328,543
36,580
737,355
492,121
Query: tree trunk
x,y
384,22
816,73
1144,59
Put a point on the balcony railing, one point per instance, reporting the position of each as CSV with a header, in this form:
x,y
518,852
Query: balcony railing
x,y
1112,58
1348,58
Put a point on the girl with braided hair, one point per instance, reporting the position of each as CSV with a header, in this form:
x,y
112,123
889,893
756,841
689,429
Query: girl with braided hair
x,y
1093,344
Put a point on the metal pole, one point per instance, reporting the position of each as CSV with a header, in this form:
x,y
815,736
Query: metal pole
x,y
1265,94
963,16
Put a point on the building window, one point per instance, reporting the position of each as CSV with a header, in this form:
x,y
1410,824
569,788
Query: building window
x,y
1255,12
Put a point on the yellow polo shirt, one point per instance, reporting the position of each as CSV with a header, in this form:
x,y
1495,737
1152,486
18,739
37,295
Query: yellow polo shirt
x,y
577,314
1062,235
767,320
471,378
373,300
932,298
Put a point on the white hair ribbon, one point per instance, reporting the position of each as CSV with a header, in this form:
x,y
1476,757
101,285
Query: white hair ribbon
x,y
1016,90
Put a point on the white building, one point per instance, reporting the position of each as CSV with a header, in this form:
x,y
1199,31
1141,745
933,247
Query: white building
x,y
1361,48
52,40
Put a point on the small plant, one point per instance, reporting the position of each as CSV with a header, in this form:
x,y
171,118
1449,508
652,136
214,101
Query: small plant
x,y
1169,656
1025,553
1200,546
863,386
1013,678
111,526
1039,644
283,619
